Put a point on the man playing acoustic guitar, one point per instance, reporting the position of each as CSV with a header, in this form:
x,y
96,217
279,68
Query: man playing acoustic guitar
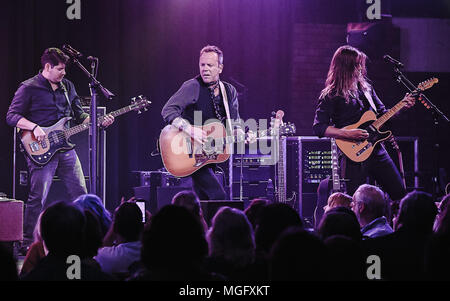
x,y
346,96
204,94
42,101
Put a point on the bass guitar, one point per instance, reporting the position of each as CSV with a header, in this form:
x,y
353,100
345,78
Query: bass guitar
x,y
359,151
281,187
329,185
57,136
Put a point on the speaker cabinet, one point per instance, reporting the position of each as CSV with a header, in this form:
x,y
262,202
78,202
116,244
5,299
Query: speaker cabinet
x,y
57,189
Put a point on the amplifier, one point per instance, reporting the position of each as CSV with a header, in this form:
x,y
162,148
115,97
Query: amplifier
x,y
157,178
308,161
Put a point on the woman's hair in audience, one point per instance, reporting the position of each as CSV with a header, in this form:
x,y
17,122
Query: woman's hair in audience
x,y
189,200
95,205
253,211
298,255
417,212
275,218
340,221
93,237
339,199
231,237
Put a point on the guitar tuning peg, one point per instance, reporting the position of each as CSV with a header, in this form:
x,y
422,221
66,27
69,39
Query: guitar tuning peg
x,y
139,112
145,109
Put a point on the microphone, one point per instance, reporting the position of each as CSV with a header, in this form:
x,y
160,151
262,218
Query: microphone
x,y
389,59
70,51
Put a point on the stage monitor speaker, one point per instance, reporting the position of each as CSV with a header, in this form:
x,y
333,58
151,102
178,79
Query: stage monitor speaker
x,y
211,207
57,190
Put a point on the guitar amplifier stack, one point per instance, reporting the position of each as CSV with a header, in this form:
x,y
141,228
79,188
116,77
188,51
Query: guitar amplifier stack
x,y
308,161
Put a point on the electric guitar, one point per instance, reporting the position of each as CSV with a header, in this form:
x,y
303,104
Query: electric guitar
x,y
280,192
359,151
182,156
57,136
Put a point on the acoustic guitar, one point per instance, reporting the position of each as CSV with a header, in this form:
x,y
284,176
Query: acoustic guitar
x,y
182,156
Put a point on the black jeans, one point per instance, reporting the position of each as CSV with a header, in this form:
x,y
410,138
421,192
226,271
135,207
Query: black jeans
x,y
67,167
379,167
206,185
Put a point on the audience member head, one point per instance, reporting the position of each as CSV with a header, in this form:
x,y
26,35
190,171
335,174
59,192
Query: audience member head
x,y
37,229
174,240
63,229
189,200
128,221
417,212
275,218
339,221
345,258
231,237
94,204
368,204
442,206
8,270
93,235
298,255
253,211
444,222
338,199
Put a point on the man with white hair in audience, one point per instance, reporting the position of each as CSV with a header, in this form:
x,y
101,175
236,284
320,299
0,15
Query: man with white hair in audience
x,y
369,205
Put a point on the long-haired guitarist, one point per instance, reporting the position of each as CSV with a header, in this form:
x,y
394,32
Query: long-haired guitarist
x,y
40,102
204,94
346,96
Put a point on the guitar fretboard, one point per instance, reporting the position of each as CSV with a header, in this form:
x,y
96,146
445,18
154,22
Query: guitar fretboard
x,y
386,116
335,166
280,171
84,126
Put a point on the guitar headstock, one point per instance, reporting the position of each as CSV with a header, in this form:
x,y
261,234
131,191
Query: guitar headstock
x,y
427,84
140,102
278,127
394,143
287,129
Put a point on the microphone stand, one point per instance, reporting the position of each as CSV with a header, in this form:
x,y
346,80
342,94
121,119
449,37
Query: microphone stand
x,y
436,113
94,86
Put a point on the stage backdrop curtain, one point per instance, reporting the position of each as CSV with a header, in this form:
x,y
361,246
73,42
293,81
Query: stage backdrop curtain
x,y
150,47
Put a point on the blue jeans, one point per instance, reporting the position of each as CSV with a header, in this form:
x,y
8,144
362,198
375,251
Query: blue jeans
x,y
67,167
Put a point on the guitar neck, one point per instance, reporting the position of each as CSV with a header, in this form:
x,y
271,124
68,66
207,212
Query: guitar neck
x,y
334,166
280,168
84,126
386,116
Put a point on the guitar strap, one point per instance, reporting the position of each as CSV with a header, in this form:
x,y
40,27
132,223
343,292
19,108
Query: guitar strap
x,y
225,104
370,100
66,94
